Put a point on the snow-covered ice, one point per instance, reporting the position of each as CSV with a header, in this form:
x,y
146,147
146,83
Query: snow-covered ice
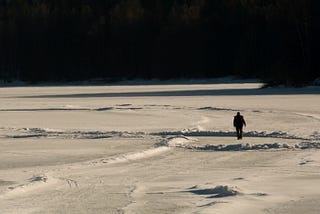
x,y
159,149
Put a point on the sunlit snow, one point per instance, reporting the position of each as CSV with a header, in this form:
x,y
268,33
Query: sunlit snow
x,y
159,149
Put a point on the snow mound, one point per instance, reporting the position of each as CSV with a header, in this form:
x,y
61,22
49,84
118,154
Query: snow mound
x,y
174,142
31,184
216,192
38,178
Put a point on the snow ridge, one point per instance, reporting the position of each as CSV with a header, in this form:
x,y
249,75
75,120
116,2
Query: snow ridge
x,y
197,133
248,147
51,133
238,147
163,146
73,134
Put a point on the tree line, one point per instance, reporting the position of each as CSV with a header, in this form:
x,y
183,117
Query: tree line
x,y
68,40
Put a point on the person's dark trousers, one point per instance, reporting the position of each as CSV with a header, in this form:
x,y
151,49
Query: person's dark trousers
x,y
239,132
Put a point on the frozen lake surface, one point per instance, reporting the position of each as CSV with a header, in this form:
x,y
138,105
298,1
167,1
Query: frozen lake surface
x,y
159,149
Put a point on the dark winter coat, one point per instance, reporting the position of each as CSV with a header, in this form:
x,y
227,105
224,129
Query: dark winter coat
x,y
238,121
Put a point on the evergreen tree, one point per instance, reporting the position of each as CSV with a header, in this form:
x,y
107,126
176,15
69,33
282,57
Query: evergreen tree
x,y
66,40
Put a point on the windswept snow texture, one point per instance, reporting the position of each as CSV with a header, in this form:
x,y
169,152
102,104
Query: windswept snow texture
x,y
159,149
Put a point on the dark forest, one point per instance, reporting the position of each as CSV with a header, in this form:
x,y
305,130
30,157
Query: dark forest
x,y
75,40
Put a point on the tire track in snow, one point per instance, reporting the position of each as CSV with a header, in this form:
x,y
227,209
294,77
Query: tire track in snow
x,y
312,116
43,180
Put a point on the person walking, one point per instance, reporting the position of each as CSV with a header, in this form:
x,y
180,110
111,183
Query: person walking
x,y
239,122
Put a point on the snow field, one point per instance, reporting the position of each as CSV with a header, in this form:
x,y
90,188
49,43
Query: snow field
x,y
159,149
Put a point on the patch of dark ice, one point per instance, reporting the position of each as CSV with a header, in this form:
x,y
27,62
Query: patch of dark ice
x,y
259,194
130,108
124,104
238,179
26,136
157,105
104,109
216,109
